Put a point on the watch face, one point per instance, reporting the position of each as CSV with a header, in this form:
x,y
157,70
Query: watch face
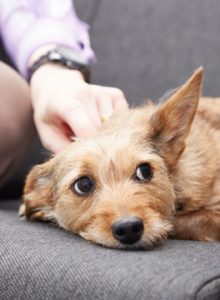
x,y
54,56
71,55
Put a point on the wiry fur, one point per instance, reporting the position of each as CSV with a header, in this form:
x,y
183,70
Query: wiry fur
x,y
182,144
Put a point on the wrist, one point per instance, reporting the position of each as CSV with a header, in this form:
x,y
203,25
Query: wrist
x,y
52,79
51,70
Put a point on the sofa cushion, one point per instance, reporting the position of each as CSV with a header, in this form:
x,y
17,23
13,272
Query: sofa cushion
x,y
146,47
41,261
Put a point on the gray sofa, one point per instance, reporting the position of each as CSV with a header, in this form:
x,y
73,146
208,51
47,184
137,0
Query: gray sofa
x,y
145,47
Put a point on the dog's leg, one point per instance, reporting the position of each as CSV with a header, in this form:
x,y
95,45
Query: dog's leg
x,y
202,225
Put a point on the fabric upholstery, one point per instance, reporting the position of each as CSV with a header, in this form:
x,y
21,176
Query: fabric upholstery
x,y
39,261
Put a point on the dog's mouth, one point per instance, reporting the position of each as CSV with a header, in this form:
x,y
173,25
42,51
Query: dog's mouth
x,y
142,244
139,245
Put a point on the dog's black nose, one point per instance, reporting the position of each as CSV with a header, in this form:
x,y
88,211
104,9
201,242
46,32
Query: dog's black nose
x,y
128,230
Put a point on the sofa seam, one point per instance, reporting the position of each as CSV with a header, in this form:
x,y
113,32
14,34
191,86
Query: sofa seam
x,y
204,285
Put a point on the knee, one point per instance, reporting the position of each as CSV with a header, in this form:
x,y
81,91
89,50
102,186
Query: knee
x,y
16,122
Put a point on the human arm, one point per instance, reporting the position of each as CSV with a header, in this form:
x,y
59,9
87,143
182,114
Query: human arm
x,y
64,104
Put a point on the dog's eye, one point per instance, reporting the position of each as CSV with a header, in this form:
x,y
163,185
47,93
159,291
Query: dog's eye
x,y
83,186
144,172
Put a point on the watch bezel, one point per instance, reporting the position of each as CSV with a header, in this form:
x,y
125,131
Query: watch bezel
x,y
70,55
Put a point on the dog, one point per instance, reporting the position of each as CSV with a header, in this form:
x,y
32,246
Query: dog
x,y
149,173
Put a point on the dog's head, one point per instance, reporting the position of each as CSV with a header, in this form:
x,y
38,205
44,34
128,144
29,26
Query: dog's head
x,y
116,188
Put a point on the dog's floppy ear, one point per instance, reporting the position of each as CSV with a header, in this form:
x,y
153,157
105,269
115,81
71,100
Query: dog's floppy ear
x,y
171,123
38,193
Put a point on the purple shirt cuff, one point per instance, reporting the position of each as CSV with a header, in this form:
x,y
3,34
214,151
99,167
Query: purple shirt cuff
x,y
49,32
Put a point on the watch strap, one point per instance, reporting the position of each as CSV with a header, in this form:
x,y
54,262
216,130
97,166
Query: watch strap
x,y
70,64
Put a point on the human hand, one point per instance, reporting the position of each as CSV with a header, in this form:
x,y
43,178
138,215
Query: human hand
x,y
65,105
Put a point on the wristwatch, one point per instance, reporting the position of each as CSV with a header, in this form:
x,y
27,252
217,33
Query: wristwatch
x,y
64,56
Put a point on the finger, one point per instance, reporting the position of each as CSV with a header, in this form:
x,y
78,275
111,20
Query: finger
x,y
79,121
120,103
119,100
53,138
93,112
105,106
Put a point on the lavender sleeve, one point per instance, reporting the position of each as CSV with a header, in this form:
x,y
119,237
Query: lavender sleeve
x,y
25,25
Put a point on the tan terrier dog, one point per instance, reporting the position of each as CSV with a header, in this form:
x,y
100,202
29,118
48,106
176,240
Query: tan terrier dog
x,y
148,173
